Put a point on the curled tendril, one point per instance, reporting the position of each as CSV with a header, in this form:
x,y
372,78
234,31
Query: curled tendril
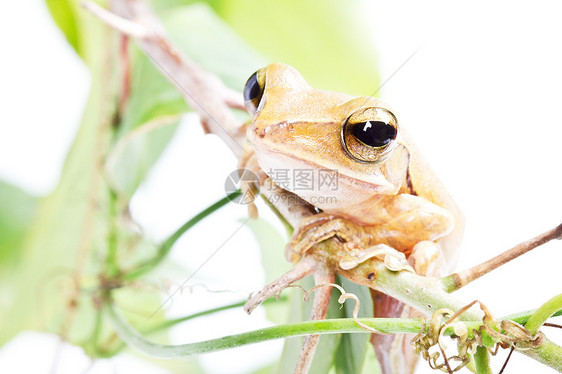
x,y
505,333
344,296
431,335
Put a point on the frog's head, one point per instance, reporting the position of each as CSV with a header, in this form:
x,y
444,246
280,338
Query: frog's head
x,y
299,130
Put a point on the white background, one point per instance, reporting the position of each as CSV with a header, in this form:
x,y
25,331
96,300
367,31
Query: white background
x,y
482,98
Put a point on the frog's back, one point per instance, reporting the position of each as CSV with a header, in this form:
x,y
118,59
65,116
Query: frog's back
x,y
426,184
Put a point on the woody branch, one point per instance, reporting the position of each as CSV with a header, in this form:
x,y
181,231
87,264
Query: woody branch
x,y
203,91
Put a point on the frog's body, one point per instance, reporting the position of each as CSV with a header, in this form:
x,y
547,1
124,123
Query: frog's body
x,y
387,200
296,127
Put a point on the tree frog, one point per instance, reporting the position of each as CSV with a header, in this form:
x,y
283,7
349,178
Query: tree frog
x,y
381,193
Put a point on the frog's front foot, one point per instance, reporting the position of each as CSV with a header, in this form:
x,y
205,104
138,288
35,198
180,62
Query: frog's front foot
x,y
320,227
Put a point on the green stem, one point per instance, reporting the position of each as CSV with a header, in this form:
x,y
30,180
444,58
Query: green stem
x,y
546,311
331,326
96,333
548,353
449,283
423,293
520,318
482,361
172,322
523,317
112,237
167,245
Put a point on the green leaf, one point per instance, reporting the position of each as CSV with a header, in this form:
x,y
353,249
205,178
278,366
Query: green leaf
x,y
64,15
353,348
265,370
152,95
328,43
70,238
150,119
17,210
487,340
71,231
272,248
210,42
68,226
147,126
80,28
62,255
371,365
482,361
135,153
161,5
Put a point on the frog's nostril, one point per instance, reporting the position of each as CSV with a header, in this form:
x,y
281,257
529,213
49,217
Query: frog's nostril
x,y
283,126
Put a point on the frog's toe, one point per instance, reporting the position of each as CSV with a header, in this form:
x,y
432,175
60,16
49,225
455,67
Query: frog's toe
x,y
315,230
427,258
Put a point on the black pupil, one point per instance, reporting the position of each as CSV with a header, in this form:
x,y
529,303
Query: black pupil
x,y
252,89
374,133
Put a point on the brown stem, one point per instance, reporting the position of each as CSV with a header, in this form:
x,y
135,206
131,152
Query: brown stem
x,y
319,311
199,88
301,270
458,280
202,90
506,360
125,26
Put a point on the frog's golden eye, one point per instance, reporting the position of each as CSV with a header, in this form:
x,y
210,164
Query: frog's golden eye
x,y
367,135
253,90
